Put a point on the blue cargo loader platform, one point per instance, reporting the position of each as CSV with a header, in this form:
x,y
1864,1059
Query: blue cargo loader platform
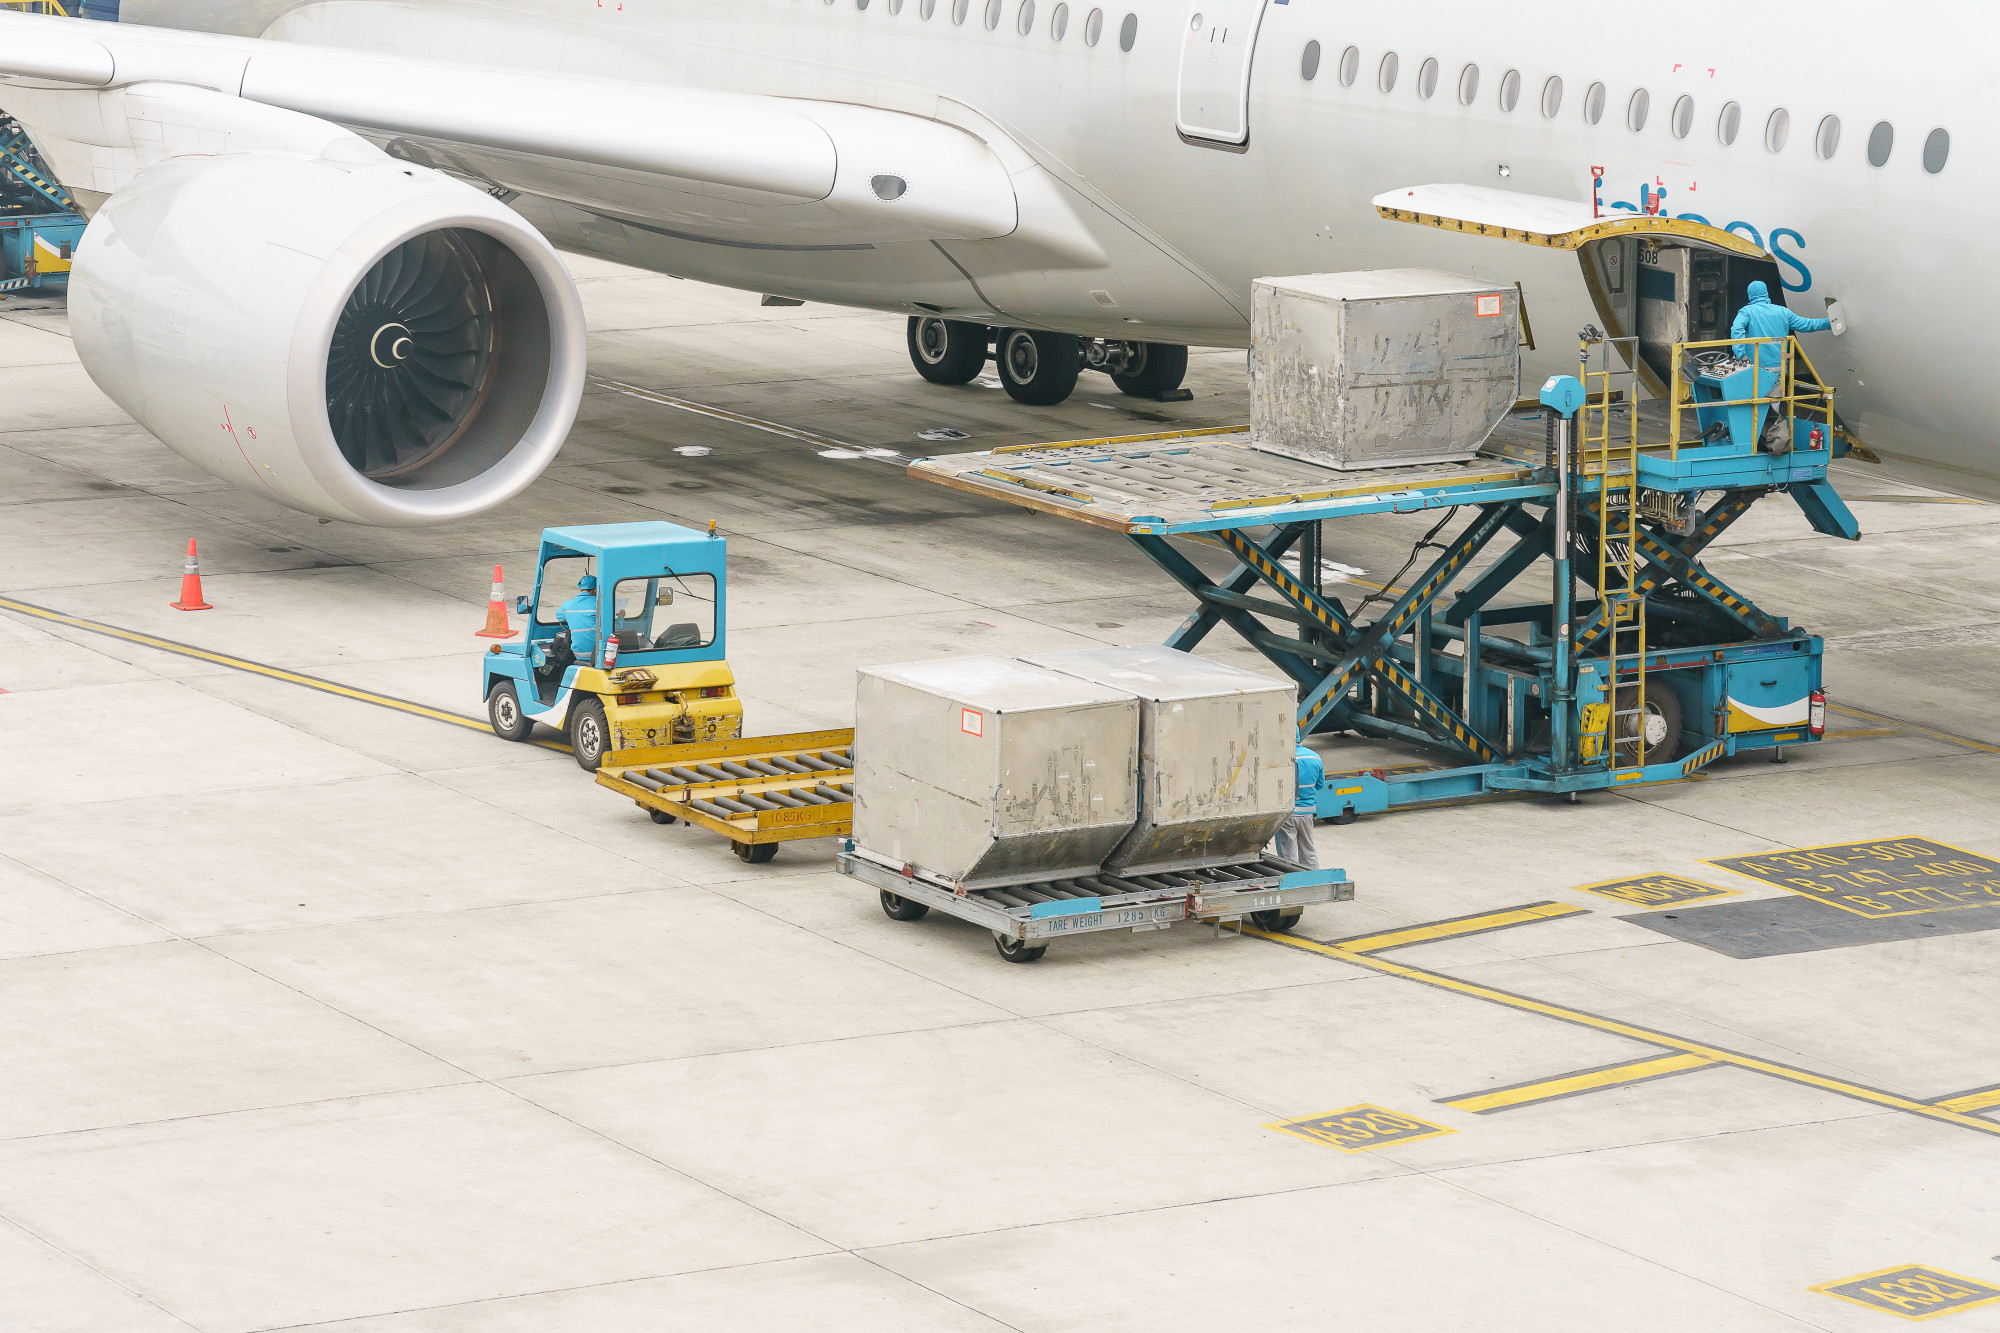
x,y
1633,663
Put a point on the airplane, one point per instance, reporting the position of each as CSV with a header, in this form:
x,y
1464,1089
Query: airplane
x,y
322,261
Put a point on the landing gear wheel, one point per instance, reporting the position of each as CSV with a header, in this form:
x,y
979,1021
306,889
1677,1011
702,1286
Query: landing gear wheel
x,y
589,735
661,816
1662,723
756,853
1279,920
1038,369
1158,368
503,710
1017,950
947,351
898,908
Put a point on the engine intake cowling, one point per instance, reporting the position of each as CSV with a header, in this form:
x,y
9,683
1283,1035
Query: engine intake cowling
x,y
355,337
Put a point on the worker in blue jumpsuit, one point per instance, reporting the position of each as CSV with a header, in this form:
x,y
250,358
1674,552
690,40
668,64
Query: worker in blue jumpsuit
x,y
1759,318
579,613
1295,835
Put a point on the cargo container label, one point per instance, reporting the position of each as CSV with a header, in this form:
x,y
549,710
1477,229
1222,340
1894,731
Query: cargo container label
x,y
971,723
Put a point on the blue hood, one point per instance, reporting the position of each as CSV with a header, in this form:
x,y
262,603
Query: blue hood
x,y
1758,293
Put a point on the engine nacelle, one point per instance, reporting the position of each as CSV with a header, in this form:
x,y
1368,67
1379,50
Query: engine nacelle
x,y
353,336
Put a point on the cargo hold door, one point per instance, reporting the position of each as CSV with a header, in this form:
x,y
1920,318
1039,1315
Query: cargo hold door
x,y
1212,98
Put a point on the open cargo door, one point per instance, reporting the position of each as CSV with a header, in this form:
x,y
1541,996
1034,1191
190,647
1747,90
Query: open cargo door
x,y
1663,280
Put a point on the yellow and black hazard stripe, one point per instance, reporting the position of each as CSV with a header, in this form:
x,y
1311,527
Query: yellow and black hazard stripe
x,y
1317,607
1448,722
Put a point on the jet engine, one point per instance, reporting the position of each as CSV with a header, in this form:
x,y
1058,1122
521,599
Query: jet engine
x,y
356,337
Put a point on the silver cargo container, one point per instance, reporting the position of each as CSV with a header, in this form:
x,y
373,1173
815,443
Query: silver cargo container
x,y
1381,367
1216,745
986,770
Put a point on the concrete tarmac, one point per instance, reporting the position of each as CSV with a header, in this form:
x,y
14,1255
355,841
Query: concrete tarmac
x,y
323,1014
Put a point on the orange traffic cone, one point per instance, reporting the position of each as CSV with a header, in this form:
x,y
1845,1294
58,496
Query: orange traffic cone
x,y
496,613
191,585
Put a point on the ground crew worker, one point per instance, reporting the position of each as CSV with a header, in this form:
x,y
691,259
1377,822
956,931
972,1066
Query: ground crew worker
x,y
1759,318
579,613
1295,835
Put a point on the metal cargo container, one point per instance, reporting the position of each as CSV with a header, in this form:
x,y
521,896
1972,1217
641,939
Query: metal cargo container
x,y
1216,744
1381,367
985,770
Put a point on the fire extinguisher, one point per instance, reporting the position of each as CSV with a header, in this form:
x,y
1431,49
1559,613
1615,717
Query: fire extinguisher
x,y
1816,714
610,651
1815,438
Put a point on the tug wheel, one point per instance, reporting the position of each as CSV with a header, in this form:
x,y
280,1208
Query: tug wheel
x,y
1017,950
756,853
503,710
589,735
898,908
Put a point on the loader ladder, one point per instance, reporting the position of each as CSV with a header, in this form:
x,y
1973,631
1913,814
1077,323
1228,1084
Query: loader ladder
x,y
1608,448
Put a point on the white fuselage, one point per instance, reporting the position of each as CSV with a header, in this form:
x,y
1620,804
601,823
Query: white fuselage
x,y
1187,226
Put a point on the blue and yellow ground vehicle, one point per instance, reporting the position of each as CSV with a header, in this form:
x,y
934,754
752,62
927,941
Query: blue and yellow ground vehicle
x,y
625,642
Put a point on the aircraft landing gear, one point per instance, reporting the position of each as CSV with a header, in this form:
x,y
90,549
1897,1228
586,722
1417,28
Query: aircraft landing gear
x,y
1038,369
947,351
1143,370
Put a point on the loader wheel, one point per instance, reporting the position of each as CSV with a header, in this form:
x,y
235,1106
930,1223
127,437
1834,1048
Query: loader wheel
x,y
1017,950
898,908
1662,726
589,735
1277,921
660,816
503,710
756,853
1157,368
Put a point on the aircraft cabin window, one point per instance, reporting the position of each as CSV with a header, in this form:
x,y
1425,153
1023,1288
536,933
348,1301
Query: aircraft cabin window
x,y
1468,85
1593,104
1881,140
959,9
1636,109
992,14
861,4
1350,65
1059,23
1128,32
1093,27
1827,142
1776,130
1427,79
1309,62
1683,117
926,8
1385,77
1025,24
1728,123
1552,98
1510,90
1936,149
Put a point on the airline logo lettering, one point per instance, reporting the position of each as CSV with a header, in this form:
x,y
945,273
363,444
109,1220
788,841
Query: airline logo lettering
x,y
1486,306
971,722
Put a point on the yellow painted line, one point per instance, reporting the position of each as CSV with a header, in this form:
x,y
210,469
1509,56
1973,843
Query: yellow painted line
x,y
1861,733
1121,439
1563,1013
1915,730
1464,925
1590,1080
1973,1101
319,683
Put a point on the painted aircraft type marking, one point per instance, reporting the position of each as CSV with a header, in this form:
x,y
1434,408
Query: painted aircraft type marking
x,y
1361,1128
1888,877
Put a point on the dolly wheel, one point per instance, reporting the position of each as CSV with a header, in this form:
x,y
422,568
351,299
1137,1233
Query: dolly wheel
x,y
898,908
1017,950
1277,921
756,853
661,816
